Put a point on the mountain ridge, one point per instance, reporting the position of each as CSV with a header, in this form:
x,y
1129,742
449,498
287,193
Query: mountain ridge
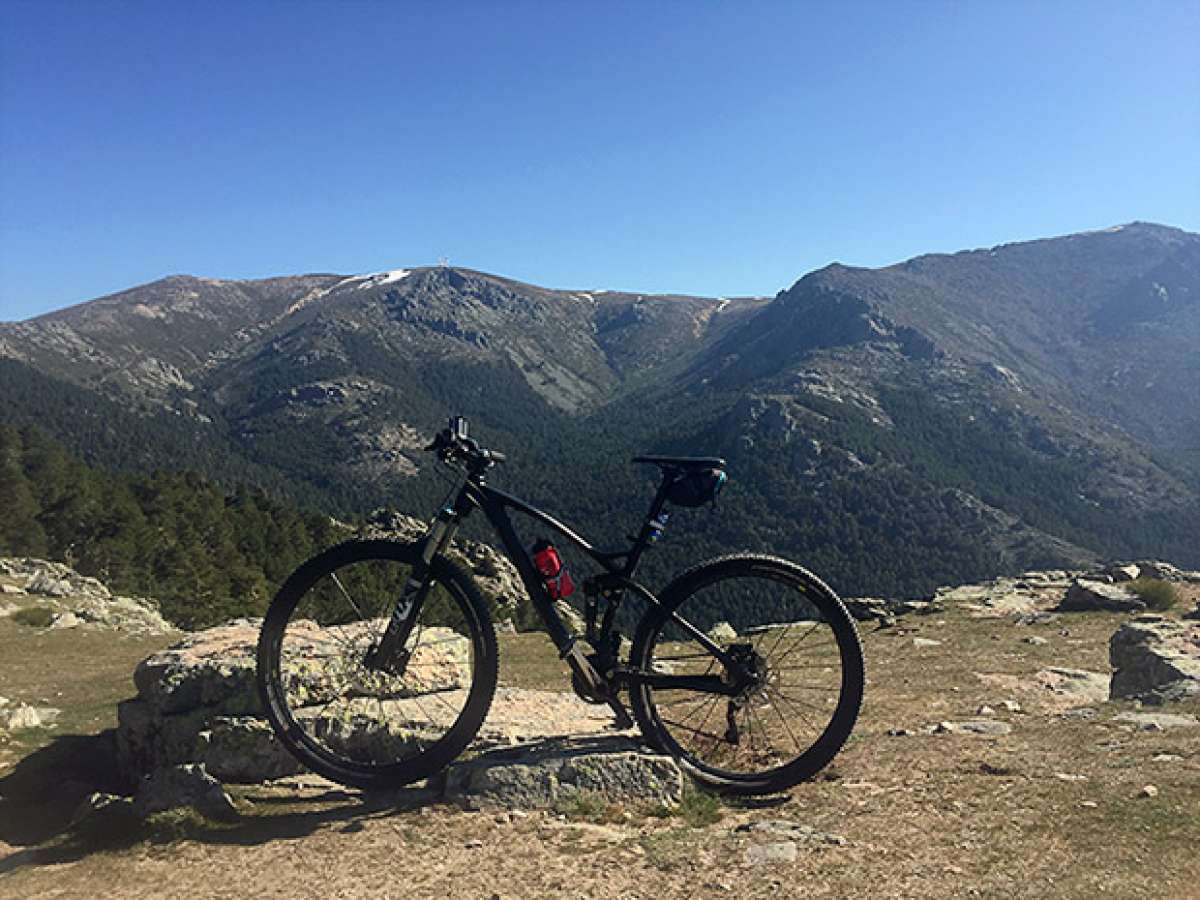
x,y
1030,393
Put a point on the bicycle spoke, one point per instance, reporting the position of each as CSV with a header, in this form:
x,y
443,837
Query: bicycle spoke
x,y
787,727
801,666
766,735
707,734
715,702
800,641
696,697
779,696
346,594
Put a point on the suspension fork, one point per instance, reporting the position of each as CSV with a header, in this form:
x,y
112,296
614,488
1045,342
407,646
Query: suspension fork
x,y
391,655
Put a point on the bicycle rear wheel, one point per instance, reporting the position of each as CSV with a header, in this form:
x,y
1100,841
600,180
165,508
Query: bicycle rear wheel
x,y
359,725
790,631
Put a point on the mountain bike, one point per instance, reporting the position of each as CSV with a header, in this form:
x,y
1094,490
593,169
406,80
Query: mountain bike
x,y
377,660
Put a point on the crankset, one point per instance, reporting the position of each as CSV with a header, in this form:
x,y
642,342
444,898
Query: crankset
x,y
599,694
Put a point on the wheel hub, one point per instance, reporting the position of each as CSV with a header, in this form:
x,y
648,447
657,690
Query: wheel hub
x,y
397,665
749,678
751,670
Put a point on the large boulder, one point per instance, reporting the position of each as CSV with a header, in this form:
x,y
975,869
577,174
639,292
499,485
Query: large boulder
x,y
1155,659
1087,595
198,700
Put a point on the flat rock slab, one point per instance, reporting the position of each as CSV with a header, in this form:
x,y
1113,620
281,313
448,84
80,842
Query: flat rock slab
x,y
547,773
1028,594
792,831
769,854
1155,721
1050,690
1078,686
519,715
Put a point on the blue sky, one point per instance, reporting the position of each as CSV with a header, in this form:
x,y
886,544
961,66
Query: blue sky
x,y
712,148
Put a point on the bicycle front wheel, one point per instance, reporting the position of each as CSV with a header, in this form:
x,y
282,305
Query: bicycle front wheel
x,y
359,725
801,682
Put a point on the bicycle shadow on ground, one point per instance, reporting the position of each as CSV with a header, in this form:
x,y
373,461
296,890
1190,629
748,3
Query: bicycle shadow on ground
x,y
42,795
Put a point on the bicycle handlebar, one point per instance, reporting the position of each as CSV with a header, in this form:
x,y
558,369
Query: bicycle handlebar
x,y
453,445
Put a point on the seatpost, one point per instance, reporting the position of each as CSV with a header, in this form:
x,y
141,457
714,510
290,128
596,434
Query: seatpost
x,y
643,539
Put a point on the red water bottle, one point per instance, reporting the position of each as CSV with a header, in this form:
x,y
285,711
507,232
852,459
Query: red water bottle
x,y
555,575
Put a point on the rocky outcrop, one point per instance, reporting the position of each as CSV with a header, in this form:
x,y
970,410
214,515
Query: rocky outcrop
x,y
1155,659
1165,571
198,700
1156,569
78,601
548,773
866,609
51,579
1123,572
1008,595
1087,594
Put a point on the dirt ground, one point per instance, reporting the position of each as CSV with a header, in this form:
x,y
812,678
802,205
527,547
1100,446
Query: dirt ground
x,y
1058,807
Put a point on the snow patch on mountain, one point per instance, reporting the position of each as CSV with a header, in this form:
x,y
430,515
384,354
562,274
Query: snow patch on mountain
x,y
380,278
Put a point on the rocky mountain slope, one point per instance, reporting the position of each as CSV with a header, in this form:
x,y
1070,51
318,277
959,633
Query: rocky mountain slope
x,y
945,418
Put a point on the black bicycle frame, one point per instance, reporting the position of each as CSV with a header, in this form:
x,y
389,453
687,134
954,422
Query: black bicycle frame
x,y
619,566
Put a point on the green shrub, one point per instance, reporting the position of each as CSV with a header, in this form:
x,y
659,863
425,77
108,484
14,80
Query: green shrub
x,y
588,806
1157,595
34,616
697,808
